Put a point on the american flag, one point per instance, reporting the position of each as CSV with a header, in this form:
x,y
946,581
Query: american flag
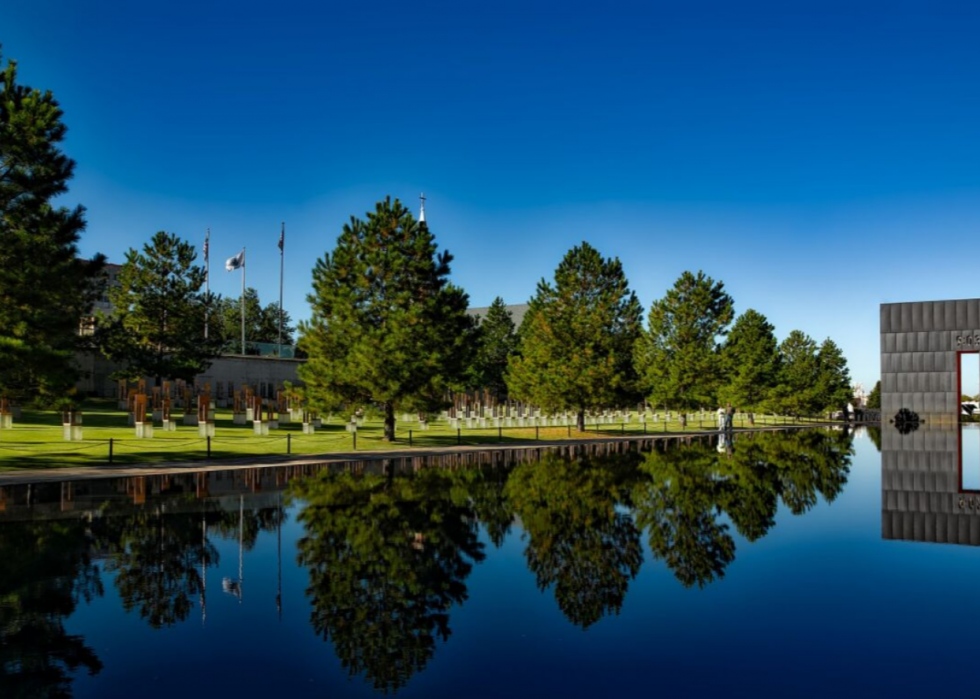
x,y
207,245
282,238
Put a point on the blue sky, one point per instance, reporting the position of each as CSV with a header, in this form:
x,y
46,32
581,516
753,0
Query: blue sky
x,y
818,157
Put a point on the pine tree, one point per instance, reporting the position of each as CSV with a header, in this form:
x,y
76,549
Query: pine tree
x,y
750,361
269,327
261,323
874,398
45,290
497,342
387,326
157,325
796,391
833,384
577,338
231,320
677,356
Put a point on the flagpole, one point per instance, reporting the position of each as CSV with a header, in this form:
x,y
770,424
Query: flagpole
x,y
282,254
243,300
207,281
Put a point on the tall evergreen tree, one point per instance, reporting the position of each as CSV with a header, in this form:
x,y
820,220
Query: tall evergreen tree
x,y
750,361
387,325
796,391
577,337
261,323
45,290
231,320
269,327
874,398
677,356
157,325
497,342
833,384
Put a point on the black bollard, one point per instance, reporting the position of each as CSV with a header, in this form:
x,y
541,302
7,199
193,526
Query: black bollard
x,y
289,444
110,450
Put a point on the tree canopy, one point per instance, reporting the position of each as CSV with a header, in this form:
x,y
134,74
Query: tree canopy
x,y
387,326
45,289
261,323
496,343
811,378
159,308
750,361
874,398
833,377
677,356
577,338
795,391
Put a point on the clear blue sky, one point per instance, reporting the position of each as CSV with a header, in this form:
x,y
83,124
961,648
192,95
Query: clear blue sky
x,y
818,157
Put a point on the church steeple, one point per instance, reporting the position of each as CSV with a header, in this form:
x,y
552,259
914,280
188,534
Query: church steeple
x,y
422,209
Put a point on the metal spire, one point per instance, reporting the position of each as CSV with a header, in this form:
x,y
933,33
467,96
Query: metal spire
x,y
422,211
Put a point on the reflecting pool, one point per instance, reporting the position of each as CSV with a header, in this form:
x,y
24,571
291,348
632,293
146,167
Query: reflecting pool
x,y
794,563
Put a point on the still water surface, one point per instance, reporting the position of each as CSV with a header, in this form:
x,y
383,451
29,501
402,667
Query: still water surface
x,y
756,570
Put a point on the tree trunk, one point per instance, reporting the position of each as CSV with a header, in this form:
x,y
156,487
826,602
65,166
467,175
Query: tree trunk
x,y
580,420
389,422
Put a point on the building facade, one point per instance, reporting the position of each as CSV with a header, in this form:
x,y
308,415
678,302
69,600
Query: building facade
x,y
922,347
226,374
930,484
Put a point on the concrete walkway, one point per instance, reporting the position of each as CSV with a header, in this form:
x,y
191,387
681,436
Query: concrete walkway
x,y
78,473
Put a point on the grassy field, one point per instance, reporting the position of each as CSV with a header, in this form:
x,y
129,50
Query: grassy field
x,y
36,439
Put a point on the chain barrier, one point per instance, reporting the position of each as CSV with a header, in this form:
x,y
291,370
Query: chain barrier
x,y
148,444
57,449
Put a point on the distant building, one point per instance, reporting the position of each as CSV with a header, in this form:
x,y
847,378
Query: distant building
x,y
102,304
261,367
860,396
517,312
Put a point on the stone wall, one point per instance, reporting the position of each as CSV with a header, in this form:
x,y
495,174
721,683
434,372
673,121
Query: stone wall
x,y
920,346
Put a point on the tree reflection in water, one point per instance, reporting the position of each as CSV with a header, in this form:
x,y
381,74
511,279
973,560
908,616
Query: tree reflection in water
x,y
577,538
678,501
686,491
387,557
47,571
157,560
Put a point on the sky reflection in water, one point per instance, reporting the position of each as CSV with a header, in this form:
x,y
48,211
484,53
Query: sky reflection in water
x,y
755,569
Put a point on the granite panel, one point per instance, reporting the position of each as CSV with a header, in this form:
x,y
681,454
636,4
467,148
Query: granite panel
x,y
960,314
938,316
949,315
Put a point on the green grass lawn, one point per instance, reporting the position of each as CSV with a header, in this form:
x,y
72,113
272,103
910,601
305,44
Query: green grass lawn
x,y
36,440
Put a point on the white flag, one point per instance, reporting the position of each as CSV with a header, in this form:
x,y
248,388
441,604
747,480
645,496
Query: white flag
x,y
236,262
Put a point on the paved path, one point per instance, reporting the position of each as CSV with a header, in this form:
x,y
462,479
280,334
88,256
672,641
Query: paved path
x,y
77,473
